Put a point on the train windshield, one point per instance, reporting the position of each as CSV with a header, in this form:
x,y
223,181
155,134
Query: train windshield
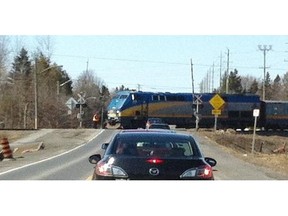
x,y
117,101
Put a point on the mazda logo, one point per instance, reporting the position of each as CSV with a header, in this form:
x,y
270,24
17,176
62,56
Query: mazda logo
x,y
154,171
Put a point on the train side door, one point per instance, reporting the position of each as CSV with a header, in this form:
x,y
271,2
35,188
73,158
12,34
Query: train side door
x,y
141,114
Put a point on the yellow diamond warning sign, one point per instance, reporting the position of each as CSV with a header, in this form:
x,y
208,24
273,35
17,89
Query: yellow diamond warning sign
x,y
217,102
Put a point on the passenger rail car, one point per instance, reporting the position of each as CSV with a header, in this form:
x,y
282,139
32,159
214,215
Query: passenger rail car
x,y
131,109
274,115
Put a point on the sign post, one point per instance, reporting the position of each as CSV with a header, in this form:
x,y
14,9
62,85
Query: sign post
x,y
197,101
81,112
256,113
217,102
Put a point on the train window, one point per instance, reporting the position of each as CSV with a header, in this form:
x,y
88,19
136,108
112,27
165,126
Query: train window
x,y
135,97
162,98
123,96
155,97
115,97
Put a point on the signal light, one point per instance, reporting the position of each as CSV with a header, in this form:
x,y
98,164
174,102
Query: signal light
x,y
83,105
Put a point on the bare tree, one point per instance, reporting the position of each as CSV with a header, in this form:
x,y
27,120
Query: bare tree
x,y
4,53
95,92
45,45
5,94
246,82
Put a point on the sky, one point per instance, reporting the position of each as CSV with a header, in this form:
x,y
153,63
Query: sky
x,y
150,47
163,62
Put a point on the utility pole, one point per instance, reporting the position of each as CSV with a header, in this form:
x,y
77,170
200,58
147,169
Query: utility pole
x,y
209,80
227,73
87,65
213,77
35,96
195,112
36,89
265,49
192,79
285,60
220,83
192,89
138,87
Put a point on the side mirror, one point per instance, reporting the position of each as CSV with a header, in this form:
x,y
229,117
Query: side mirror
x,y
104,146
212,162
94,159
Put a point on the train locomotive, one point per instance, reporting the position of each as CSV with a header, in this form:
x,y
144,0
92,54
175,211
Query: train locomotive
x,y
131,109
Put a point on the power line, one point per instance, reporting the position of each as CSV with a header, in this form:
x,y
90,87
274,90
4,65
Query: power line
x,y
157,62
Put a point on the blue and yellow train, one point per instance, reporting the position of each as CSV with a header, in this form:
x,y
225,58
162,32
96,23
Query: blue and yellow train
x,y
131,109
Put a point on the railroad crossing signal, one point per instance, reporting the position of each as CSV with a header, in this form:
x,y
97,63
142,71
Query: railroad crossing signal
x,y
198,99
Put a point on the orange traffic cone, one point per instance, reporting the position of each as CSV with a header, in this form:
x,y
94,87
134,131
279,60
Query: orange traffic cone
x,y
6,151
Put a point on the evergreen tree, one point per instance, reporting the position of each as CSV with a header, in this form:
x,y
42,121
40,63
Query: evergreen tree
x,y
21,67
254,87
276,89
268,87
235,82
285,86
21,103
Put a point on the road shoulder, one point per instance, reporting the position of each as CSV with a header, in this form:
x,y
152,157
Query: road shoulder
x,y
54,142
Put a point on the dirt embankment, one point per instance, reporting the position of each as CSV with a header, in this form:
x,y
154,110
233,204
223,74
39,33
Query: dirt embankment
x,y
14,135
270,149
49,141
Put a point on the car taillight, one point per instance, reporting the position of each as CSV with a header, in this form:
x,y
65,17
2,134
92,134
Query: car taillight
x,y
204,172
107,169
155,161
103,169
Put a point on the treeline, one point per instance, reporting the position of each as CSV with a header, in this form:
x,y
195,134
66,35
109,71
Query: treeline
x,y
275,88
34,92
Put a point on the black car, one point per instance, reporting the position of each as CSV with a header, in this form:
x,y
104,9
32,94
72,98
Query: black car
x,y
152,155
153,120
159,126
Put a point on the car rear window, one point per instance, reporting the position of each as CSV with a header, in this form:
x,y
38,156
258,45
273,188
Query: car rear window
x,y
159,126
148,147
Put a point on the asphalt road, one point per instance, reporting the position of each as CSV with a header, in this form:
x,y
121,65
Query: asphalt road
x,y
72,164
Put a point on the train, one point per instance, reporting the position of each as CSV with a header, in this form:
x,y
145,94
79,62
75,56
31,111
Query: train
x,y
131,109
